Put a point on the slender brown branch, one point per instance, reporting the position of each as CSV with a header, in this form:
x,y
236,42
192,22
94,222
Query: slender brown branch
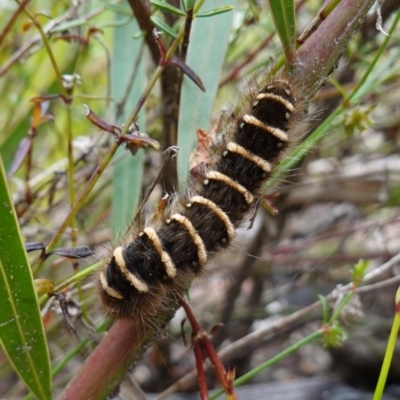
x,y
11,21
168,154
142,13
234,73
188,28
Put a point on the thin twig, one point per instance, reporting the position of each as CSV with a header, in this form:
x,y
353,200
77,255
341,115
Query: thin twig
x,y
11,21
142,13
168,154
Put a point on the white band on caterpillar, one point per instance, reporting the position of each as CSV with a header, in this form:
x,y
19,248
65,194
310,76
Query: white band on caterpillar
x,y
138,284
109,290
230,229
196,239
230,182
260,162
287,104
278,133
165,258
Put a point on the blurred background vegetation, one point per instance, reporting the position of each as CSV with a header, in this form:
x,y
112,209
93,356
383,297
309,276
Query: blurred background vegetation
x,y
339,205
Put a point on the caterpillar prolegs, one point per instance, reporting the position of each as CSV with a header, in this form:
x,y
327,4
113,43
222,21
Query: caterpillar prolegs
x,y
164,257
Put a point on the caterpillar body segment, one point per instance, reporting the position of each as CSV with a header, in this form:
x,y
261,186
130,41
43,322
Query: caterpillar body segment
x,y
143,275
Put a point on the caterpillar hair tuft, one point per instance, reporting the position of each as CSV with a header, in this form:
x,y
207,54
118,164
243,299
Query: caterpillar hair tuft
x,y
144,274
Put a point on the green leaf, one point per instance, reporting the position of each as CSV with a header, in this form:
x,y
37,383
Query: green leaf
x,y
325,309
64,26
163,26
21,329
119,9
215,11
128,170
188,4
283,13
358,272
205,56
167,7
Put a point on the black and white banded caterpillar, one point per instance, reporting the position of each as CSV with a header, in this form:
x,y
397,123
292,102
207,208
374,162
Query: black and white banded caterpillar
x,y
164,257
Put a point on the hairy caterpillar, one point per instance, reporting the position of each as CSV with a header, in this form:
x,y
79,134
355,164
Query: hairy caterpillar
x,y
164,257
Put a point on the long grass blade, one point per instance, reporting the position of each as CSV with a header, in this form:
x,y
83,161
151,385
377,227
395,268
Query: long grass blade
x,y
128,67
206,59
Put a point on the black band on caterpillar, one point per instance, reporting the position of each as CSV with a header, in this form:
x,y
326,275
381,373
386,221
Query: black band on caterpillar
x,y
165,257
135,282
235,148
230,230
196,239
230,182
109,290
278,133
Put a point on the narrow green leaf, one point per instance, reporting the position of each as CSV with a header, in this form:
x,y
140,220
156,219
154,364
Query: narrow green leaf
x,y
283,13
188,4
205,56
122,9
21,329
358,271
163,26
325,309
167,7
64,26
215,11
128,171
122,22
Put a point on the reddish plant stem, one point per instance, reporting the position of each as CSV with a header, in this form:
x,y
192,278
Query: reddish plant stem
x,y
200,371
120,346
214,358
201,342
328,42
163,52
